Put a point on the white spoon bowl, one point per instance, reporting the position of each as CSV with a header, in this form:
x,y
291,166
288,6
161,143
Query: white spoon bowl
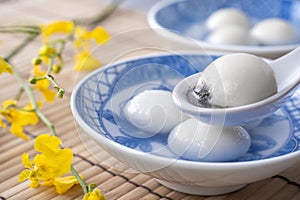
x,y
287,72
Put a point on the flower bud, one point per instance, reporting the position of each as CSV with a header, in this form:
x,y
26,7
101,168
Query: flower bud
x,y
32,80
36,61
60,93
56,68
47,51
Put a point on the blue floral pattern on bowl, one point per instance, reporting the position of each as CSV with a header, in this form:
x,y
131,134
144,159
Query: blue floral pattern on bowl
x,y
102,95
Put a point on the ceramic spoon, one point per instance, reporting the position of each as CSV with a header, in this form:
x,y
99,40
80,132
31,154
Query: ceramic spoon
x,y
287,72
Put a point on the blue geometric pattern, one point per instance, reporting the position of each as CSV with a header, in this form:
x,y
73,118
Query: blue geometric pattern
x,y
101,97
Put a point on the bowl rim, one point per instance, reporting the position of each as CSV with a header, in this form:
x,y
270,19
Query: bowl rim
x,y
177,36
102,140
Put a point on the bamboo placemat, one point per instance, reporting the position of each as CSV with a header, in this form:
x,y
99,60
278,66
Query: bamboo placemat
x,y
130,37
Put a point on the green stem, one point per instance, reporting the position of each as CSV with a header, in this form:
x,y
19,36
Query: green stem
x,y
29,39
21,26
19,94
48,76
29,92
62,46
50,65
20,29
79,179
52,80
60,91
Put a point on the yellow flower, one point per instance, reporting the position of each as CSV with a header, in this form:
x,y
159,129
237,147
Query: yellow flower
x,y
43,85
94,195
50,164
85,61
81,33
83,37
28,173
65,27
63,184
47,144
58,160
5,67
99,34
18,117
82,42
47,51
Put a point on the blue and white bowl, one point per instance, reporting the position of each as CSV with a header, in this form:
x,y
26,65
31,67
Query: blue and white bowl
x,y
98,100
184,21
